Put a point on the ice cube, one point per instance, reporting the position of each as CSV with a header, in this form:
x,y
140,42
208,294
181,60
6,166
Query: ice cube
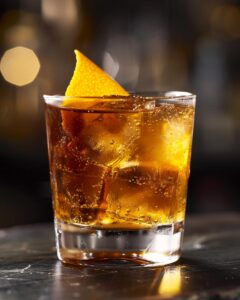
x,y
78,183
166,136
112,138
143,194
109,128
109,138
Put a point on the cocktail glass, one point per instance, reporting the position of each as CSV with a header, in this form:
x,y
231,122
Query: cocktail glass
x,y
119,169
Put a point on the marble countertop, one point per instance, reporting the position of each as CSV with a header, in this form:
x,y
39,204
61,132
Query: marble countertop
x,y
209,267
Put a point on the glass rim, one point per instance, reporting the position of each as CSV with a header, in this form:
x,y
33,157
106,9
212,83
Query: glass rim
x,y
170,96
132,102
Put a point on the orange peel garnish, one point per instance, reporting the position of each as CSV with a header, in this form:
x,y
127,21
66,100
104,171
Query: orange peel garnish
x,y
90,80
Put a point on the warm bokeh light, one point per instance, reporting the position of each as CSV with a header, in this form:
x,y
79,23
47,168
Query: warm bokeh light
x,y
19,66
171,283
62,12
226,18
110,65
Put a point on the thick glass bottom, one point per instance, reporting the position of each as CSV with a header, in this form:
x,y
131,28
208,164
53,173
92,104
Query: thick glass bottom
x,y
89,246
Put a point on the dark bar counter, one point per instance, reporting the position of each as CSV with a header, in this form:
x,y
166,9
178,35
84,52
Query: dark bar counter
x,y
209,267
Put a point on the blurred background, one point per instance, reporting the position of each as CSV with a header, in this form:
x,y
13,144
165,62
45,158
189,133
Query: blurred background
x,y
145,45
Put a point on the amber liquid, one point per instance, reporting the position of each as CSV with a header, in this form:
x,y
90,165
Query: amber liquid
x,y
121,169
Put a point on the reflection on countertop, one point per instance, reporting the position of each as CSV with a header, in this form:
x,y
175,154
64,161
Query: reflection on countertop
x,y
209,267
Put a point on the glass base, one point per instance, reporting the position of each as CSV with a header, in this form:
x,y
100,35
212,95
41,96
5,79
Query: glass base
x,y
89,246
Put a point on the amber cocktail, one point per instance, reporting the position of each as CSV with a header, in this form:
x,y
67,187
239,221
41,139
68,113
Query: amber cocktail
x,y
119,169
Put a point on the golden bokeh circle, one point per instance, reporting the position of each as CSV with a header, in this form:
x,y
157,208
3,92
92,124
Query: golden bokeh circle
x,y
19,66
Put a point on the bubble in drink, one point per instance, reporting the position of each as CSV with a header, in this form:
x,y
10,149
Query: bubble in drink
x,y
115,169
108,138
